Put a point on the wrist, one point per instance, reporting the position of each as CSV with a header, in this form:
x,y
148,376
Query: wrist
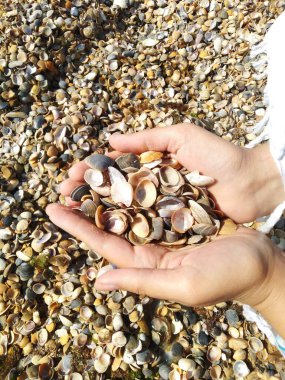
x,y
271,302
265,184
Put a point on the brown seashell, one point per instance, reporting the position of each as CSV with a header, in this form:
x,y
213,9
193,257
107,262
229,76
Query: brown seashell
x,y
140,226
145,193
169,176
204,229
88,207
150,156
99,220
182,220
142,174
115,222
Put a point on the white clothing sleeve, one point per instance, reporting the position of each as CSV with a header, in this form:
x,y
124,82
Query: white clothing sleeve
x,y
271,127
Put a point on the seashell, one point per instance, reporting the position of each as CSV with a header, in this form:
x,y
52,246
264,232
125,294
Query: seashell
x,y
99,162
77,193
128,163
45,371
99,219
182,220
67,289
142,174
214,354
140,226
170,236
117,321
169,176
88,207
167,205
196,179
94,178
91,273
39,288
116,176
186,364
85,313
174,375
115,222
122,192
240,369
75,376
119,339
104,190
143,357
102,363
204,229
255,344
42,336
199,213
156,229
80,340
145,193
215,372
150,156
136,240
195,239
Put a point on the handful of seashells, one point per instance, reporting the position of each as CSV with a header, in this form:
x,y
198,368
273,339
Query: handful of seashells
x,y
149,198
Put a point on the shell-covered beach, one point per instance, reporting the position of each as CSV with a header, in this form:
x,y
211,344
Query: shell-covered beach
x,y
71,74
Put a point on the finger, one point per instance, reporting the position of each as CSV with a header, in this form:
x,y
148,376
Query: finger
x,y
76,172
69,202
158,139
113,248
115,154
67,186
156,283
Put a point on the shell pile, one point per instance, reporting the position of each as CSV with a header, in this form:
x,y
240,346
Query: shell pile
x,y
72,72
149,198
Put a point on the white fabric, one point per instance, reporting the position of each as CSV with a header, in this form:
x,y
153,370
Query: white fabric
x,y
271,127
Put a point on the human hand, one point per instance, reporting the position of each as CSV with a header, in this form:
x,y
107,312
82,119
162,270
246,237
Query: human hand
x,y
248,184
244,266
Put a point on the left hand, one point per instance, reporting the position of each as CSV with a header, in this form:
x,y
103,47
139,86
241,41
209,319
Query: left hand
x,y
231,267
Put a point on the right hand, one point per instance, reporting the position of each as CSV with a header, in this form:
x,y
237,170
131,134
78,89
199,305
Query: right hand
x,y
248,184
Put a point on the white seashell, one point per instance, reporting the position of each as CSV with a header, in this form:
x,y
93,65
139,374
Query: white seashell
x,y
94,178
240,368
119,339
118,322
102,363
122,192
149,42
196,179
186,364
115,176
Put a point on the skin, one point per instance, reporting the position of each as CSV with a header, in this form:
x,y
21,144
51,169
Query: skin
x,y
245,266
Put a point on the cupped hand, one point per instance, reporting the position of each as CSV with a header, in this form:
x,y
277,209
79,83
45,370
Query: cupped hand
x,y
233,267
248,184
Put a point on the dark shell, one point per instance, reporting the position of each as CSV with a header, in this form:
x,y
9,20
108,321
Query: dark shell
x,y
77,194
99,161
128,162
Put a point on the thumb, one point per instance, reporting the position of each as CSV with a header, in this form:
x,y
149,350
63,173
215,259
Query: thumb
x,y
156,283
161,139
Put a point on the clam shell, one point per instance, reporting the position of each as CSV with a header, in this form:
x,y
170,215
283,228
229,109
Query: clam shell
x,y
88,207
167,205
119,339
99,162
197,179
199,213
169,176
94,177
150,156
142,174
140,226
145,193
157,229
102,363
214,354
77,193
204,229
42,336
116,176
115,222
67,289
128,163
122,192
85,313
136,240
182,220
104,190
255,344
240,368
99,220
